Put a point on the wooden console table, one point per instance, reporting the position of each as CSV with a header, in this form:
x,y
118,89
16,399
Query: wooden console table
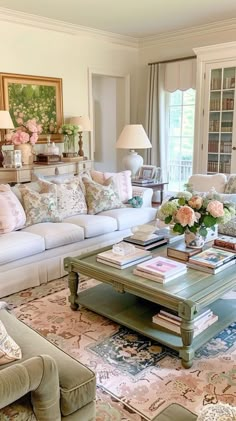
x,y
27,172
154,186
132,301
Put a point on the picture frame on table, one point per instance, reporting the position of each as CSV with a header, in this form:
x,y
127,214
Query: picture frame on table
x,y
147,172
38,97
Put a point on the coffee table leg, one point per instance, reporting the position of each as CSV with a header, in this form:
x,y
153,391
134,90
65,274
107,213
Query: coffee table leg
x,y
187,310
73,283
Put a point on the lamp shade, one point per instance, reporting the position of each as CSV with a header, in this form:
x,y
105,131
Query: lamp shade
x,y
133,136
5,120
83,121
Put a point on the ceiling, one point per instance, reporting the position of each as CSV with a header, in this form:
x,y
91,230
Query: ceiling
x,y
136,18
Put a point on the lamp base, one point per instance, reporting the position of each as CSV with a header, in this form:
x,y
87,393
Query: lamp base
x,y
133,162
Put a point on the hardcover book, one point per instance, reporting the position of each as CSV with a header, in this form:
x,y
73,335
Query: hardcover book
x,y
212,257
169,235
120,260
176,329
157,278
125,265
161,267
132,239
226,242
181,252
207,269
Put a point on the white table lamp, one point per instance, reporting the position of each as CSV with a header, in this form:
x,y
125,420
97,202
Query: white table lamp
x,y
84,122
5,122
133,136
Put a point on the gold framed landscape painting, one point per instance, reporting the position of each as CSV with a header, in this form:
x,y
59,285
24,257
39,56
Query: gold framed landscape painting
x,y
28,97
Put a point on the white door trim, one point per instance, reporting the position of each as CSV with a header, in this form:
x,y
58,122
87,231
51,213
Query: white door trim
x,y
92,71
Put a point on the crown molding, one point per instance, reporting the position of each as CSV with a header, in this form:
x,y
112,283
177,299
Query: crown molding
x,y
182,34
26,19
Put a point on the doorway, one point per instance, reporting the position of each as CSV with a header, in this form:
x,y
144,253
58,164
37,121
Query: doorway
x,y
109,111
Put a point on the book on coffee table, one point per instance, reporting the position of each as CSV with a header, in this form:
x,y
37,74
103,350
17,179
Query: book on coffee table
x,y
181,252
156,278
169,235
212,258
213,271
162,267
225,242
156,241
122,261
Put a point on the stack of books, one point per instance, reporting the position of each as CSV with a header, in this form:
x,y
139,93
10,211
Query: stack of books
x,y
212,260
160,269
225,242
181,252
172,322
141,181
155,241
169,235
121,262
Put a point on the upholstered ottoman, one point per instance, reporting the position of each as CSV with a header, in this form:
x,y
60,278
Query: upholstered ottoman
x,y
77,383
175,412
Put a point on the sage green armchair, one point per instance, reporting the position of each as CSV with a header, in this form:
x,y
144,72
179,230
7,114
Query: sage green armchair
x,y
46,384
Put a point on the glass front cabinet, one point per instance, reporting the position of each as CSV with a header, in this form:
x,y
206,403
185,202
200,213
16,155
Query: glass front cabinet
x,y
215,127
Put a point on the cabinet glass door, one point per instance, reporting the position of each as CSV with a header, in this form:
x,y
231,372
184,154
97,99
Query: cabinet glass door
x,y
221,120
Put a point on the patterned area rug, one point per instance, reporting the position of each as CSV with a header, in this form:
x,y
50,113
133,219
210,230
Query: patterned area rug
x,y
136,377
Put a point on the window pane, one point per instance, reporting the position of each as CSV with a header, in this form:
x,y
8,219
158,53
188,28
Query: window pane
x,y
188,121
189,97
176,98
175,121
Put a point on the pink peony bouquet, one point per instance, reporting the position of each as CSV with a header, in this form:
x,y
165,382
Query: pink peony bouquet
x,y
26,133
195,213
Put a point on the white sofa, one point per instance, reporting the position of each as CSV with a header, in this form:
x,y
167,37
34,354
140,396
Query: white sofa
x,y
34,255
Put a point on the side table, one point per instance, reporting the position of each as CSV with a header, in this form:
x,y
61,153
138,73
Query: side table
x,y
154,186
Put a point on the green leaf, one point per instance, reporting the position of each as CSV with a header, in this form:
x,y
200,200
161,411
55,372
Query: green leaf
x,y
181,201
178,228
209,221
168,219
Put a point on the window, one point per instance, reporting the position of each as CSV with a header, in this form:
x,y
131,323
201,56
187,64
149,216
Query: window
x,y
180,114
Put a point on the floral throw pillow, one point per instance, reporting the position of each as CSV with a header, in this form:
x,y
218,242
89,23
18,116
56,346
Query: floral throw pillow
x,y
12,214
40,207
9,350
70,197
101,197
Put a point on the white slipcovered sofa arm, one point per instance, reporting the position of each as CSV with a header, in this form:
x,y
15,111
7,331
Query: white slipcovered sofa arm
x,y
145,193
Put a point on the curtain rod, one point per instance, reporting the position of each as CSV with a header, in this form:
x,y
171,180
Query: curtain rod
x,y
171,61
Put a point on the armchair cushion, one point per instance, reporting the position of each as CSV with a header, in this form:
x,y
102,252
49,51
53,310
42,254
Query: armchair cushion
x,y
205,182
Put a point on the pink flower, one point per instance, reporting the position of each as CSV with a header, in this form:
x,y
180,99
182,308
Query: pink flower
x,y
215,208
195,202
185,216
33,138
19,121
32,125
19,137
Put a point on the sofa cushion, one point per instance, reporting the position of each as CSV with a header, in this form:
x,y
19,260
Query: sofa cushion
x,y
121,179
57,234
205,182
94,225
18,244
70,197
77,382
101,197
231,184
39,207
130,217
12,214
9,350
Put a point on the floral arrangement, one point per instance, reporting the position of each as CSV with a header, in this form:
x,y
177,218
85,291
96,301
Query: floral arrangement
x,y
195,213
69,129
26,133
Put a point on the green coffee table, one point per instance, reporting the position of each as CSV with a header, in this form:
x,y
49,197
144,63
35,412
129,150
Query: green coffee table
x,y
132,301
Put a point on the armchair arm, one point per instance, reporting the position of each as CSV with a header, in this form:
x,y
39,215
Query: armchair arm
x,y
145,193
39,376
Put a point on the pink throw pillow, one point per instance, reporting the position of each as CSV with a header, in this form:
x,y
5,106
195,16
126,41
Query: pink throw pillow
x,y
122,181
12,214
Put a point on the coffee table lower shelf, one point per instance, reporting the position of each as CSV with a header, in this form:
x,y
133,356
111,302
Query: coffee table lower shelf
x,y
136,313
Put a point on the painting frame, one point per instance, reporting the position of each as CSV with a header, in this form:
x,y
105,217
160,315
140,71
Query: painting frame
x,y
34,89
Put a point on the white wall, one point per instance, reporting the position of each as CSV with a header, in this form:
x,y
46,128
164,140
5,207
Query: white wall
x,y
34,51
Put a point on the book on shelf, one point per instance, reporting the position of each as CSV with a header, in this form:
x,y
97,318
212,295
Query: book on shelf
x,y
212,257
198,319
169,235
123,266
156,278
162,267
181,252
208,269
174,327
109,256
225,242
